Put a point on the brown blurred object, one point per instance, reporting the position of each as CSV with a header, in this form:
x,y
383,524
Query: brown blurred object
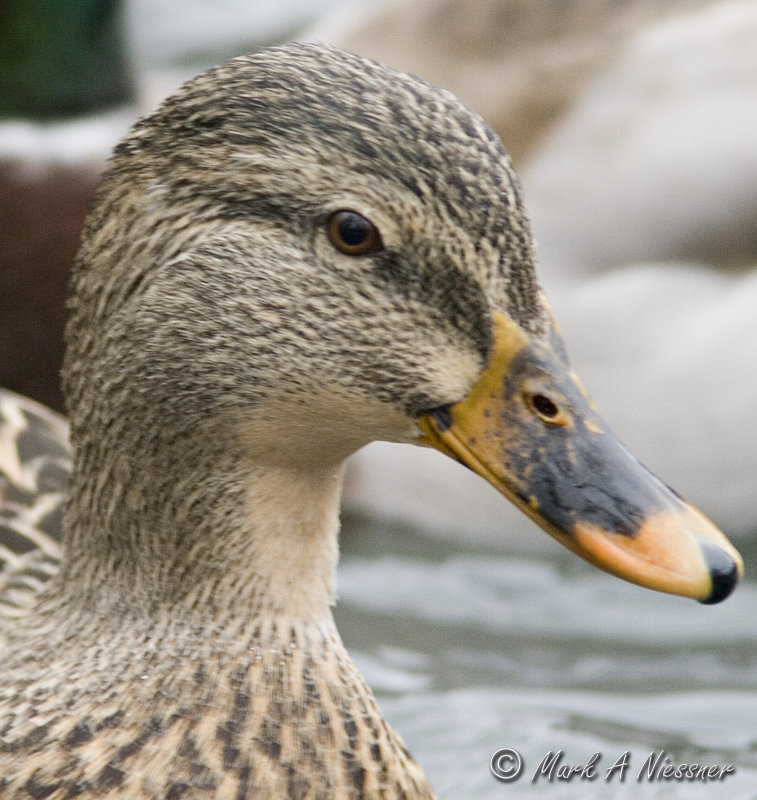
x,y
520,64
42,210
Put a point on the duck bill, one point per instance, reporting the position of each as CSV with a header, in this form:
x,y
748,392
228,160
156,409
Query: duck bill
x,y
529,429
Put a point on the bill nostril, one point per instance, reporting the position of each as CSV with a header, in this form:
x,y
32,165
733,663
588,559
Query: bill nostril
x,y
546,409
545,406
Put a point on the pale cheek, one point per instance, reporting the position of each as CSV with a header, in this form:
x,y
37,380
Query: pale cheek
x,y
310,433
454,374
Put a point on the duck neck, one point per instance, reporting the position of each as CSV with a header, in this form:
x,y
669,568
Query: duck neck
x,y
204,529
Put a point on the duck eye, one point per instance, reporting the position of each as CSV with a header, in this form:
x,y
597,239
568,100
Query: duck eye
x,y
353,234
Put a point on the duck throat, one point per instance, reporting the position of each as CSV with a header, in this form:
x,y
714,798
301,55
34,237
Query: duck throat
x,y
162,711
204,530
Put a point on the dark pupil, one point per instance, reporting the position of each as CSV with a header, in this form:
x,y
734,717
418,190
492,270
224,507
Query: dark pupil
x,y
353,230
544,405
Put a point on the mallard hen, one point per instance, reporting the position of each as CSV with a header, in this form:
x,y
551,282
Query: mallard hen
x,y
298,253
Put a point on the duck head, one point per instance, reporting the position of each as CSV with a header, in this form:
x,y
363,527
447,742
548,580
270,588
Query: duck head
x,y
301,252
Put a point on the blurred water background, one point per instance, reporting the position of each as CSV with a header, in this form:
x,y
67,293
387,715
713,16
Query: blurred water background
x,y
634,128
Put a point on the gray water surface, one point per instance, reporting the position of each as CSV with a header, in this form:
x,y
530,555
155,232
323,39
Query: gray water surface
x,y
473,652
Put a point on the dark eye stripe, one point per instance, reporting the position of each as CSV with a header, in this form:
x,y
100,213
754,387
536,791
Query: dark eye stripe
x,y
353,234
